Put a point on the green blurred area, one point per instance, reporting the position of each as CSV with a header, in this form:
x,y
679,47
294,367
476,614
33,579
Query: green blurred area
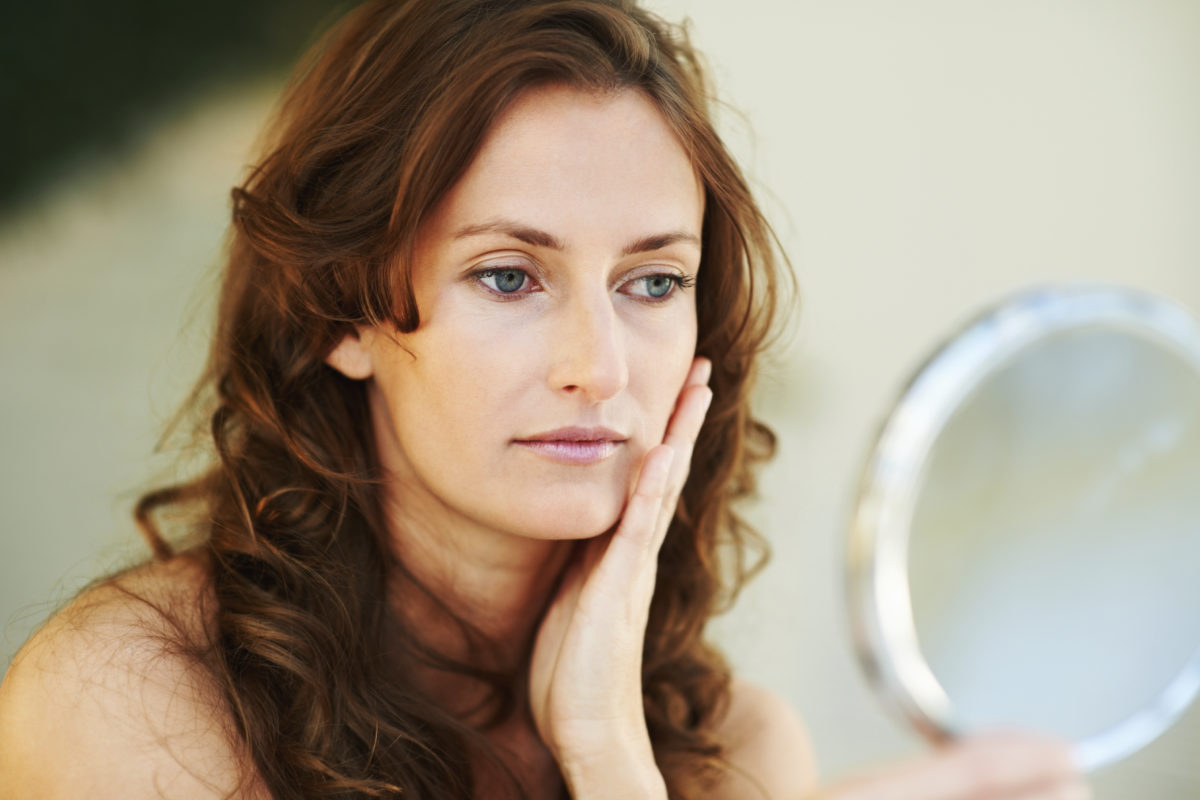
x,y
80,79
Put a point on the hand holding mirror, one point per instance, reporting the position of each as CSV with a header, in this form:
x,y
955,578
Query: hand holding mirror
x,y
1025,547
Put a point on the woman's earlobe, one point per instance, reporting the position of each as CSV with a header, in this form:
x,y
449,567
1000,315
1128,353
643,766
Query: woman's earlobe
x,y
351,357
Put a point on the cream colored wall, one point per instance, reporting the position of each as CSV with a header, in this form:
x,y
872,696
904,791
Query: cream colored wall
x,y
105,288
918,160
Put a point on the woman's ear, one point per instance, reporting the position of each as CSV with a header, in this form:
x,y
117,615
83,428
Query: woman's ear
x,y
351,357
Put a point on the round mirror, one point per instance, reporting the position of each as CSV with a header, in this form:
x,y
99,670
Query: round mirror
x,y
1025,549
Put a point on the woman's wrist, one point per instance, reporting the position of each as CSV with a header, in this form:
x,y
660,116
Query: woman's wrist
x,y
622,769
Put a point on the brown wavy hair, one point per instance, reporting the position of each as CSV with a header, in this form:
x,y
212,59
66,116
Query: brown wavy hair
x,y
379,123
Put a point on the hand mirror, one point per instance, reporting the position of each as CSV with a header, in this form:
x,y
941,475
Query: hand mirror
x,y
1025,547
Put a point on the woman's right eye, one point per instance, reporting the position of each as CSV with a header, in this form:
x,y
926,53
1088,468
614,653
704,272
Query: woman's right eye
x,y
504,280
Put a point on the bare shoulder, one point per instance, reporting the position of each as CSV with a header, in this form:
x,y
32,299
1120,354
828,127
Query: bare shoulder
x,y
108,698
767,746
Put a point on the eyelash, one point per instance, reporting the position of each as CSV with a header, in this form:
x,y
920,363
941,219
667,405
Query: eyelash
x,y
679,281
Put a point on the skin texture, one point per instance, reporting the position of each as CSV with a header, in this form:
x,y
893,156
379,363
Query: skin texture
x,y
95,706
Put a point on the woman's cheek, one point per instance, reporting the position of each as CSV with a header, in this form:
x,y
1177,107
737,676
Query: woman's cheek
x,y
669,362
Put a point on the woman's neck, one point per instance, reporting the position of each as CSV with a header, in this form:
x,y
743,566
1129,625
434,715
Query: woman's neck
x,y
497,583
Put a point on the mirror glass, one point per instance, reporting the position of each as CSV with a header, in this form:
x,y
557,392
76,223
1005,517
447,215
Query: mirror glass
x,y
1026,550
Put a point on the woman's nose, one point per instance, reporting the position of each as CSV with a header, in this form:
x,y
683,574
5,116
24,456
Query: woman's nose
x,y
588,349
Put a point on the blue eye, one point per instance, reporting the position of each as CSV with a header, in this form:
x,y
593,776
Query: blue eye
x,y
504,281
658,287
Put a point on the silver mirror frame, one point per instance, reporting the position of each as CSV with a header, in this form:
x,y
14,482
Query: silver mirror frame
x,y
880,604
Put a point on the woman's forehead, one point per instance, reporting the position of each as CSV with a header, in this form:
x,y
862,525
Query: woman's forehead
x,y
564,159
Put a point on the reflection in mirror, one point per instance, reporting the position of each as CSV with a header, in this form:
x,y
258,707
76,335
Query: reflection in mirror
x,y
1027,545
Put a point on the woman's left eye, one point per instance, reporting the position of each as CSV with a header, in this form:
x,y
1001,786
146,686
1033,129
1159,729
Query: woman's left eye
x,y
657,287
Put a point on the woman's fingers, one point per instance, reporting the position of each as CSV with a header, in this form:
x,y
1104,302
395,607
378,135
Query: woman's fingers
x,y
648,512
1000,766
682,431
649,493
1075,790
1011,762
630,553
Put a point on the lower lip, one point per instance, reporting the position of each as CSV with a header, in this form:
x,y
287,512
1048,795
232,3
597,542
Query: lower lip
x,y
565,452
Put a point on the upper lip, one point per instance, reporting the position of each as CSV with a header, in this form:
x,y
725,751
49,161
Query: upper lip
x,y
576,434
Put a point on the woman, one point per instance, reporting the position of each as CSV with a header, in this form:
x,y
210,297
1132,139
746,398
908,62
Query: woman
x,y
479,400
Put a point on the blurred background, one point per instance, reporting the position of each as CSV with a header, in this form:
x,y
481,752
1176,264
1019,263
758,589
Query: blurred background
x,y
918,160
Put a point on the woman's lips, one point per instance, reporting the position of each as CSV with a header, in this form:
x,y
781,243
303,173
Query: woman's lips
x,y
574,445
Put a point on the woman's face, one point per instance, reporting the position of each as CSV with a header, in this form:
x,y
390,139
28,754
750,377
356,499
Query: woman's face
x,y
558,321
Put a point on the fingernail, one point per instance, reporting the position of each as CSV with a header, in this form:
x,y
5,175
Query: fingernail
x,y
705,371
708,398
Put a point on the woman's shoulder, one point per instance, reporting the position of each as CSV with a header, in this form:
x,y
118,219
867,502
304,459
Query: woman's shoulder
x,y
110,698
767,746
149,614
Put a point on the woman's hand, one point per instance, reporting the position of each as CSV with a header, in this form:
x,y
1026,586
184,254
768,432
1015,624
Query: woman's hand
x,y
996,766
586,672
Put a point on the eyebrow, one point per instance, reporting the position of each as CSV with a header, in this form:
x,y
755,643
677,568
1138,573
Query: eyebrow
x,y
539,238
658,241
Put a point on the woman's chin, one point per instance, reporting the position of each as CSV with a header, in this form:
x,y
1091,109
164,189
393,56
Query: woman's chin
x,y
581,519
561,529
